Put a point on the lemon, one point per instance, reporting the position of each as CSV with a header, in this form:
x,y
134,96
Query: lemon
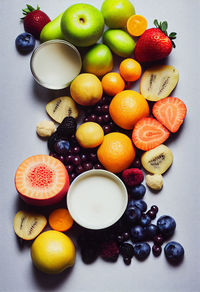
x,y
52,252
90,135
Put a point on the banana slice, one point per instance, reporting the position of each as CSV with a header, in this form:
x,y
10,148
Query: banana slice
x,y
158,82
28,225
157,160
62,107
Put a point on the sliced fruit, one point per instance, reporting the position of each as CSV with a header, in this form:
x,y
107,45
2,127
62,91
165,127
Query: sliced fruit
x,y
41,180
158,82
157,160
62,107
60,219
170,111
136,25
28,225
148,133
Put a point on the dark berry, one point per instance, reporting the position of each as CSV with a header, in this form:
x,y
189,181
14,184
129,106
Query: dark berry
x,y
62,147
142,250
105,109
137,192
89,254
86,120
67,127
174,252
136,163
79,169
87,166
132,176
76,160
25,42
151,214
69,158
126,250
154,208
102,101
98,166
158,239
156,249
72,176
106,129
145,220
140,204
61,158
151,230
70,168
99,120
106,118
83,157
52,140
120,238
166,225
137,233
133,214
76,150
109,251
126,236
93,118
98,110
127,261
92,157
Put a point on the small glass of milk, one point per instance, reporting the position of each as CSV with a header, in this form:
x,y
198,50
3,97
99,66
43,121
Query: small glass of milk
x,y
97,199
54,64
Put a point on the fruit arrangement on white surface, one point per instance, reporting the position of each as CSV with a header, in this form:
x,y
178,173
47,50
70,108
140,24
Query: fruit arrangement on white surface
x,y
121,132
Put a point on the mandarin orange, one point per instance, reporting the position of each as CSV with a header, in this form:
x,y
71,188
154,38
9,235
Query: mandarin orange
x,y
112,83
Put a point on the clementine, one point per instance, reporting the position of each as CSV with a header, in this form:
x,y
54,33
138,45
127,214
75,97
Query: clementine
x,y
117,152
130,69
127,107
112,83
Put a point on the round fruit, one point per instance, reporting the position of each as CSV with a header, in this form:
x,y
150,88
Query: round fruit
x,y
89,135
117,152
25,42
86,89
112,83
130,69
127,107
41,180
52,252
136,25
174,252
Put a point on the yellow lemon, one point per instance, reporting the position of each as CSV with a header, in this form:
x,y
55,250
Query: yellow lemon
x,y
52,252
90,135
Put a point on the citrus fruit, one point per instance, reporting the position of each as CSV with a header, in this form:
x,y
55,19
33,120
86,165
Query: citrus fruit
x,y
86,89
117,152
136,25
112,83
127,107
60,219
89,135
130,69
41,180
52,252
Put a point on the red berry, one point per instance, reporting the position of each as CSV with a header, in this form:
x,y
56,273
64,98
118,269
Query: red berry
x,y
132,176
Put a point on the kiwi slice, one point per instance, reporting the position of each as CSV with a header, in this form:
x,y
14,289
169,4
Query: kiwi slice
x,y
158,82
157,160
28,225
62,107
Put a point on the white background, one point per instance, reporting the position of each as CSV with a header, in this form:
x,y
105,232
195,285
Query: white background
x,y
23,106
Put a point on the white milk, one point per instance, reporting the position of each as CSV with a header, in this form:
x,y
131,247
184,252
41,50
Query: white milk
x,y
97,200
55,64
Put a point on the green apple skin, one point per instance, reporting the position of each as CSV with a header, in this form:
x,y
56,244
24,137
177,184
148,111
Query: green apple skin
x,y
52,30
119,41
98,60
82,24
117,12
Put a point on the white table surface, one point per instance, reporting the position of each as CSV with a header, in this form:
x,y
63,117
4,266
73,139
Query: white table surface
x,y
23,106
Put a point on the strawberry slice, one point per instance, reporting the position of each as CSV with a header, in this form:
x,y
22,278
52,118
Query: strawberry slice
x,y
170,111
41,180
149,133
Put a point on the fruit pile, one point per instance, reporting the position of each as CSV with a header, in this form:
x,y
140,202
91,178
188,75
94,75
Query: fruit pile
x,y
122,131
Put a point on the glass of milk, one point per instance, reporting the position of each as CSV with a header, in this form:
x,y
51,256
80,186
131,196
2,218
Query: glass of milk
x,y
54,64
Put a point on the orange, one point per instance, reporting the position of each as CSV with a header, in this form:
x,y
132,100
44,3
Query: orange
x,y
136,25
130,69
117,152
127,107
112,83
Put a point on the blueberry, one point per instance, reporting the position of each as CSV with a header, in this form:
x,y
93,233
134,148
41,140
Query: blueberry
x,y
133,214
145,220
142,250
137,192
126,250
62,146
151,230
174,252
25,42
139,204
166,225
137,233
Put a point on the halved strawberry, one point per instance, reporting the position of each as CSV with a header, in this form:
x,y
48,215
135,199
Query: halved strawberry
x,y
41,180
170,111
148,133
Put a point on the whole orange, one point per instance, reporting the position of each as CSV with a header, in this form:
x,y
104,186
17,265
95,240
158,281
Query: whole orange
x,y
130,69
117,152
112,83
127,107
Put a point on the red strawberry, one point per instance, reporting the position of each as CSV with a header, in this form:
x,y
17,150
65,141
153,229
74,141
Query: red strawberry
x,y
34,20
154,44
149,133
170,111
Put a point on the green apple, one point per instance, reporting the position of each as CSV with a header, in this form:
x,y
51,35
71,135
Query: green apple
x,y
82,24
117,12
52,30
98,60
119,41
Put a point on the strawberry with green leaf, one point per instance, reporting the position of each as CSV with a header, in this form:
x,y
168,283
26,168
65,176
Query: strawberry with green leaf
x,y
155,43
34,20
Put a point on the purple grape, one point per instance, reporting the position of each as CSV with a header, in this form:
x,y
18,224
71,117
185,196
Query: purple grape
x,y
70,168
86,120
92,118
98,109
106,129
76,160
105,109
76,150
61,158
98,166
102,101
106,118
83,157
92,157
79,169
87,166
100,120
68,159
72,176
